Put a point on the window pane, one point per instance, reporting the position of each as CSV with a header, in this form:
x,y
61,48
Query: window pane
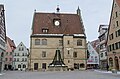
x,y
79,42
37,41
44,41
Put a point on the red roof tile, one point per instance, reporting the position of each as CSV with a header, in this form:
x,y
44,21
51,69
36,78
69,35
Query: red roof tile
x,y
70,23
11,42
118,1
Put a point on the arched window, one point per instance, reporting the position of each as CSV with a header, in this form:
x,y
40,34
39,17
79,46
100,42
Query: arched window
x,y
24,66
82,65
19,66
74,54
37,41
44,41
79,42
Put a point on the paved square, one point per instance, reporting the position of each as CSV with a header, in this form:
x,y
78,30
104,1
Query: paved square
x,y
58,75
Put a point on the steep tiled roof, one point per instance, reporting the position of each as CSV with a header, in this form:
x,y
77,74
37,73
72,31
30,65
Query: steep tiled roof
x,y
118,1
70,23
11,42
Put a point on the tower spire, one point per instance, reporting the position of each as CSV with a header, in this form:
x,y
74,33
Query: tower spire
x,y
78,11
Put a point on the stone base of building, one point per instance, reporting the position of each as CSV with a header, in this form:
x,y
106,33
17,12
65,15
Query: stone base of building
x,y
57,68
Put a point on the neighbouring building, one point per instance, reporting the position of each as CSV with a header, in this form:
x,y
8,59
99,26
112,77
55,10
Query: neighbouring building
x,y
103,31
20,57
52,31
113,39
93,59
2,36
10,47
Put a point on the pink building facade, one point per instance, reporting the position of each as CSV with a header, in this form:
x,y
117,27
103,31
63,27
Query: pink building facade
x,y
10,47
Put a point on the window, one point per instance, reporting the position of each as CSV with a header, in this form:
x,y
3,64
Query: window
x,y
6,59
110,49
44,41
19,49
116,14
25,59
105,53
119,32
24,66
68,42
101,54
37,41
116,33
43,53
17,59
79,42
19,66
10,59
45,30
22,49
6,53
60,42
14,59
18,54
75,54
68,52
116,45
111,36
22,59
22,54
15,54
10,53
119,44
43,65
68,61
117,23
113,48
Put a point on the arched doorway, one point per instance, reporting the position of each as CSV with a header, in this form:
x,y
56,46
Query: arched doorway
x,y
110,62
116,63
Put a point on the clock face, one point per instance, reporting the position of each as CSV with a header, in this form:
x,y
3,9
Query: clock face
x,y
57,23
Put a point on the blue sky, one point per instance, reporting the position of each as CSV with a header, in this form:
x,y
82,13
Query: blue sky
x,y
19,15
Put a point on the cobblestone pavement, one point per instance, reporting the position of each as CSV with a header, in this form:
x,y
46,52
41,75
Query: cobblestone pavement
x,y
58,75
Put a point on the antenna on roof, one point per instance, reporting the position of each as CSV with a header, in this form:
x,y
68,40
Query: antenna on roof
x,y
58,9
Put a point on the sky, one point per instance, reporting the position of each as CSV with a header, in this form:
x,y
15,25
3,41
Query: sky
x,y
19,15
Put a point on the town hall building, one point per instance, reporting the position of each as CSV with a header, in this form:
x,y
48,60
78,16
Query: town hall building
x,y
57,31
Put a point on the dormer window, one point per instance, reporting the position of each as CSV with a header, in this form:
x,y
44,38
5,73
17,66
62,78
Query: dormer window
x,y
45,30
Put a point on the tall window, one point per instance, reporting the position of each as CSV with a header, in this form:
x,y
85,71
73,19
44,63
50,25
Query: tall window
x,y
43,65
6,59
14,59
22,59
44,41
10,53
79,42
68,42
68,52
113,47
43,53
60,42
116,14
37,41
117,23
75,54
17,59
10,59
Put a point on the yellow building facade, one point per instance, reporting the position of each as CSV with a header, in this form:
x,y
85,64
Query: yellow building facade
x,y
52,31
